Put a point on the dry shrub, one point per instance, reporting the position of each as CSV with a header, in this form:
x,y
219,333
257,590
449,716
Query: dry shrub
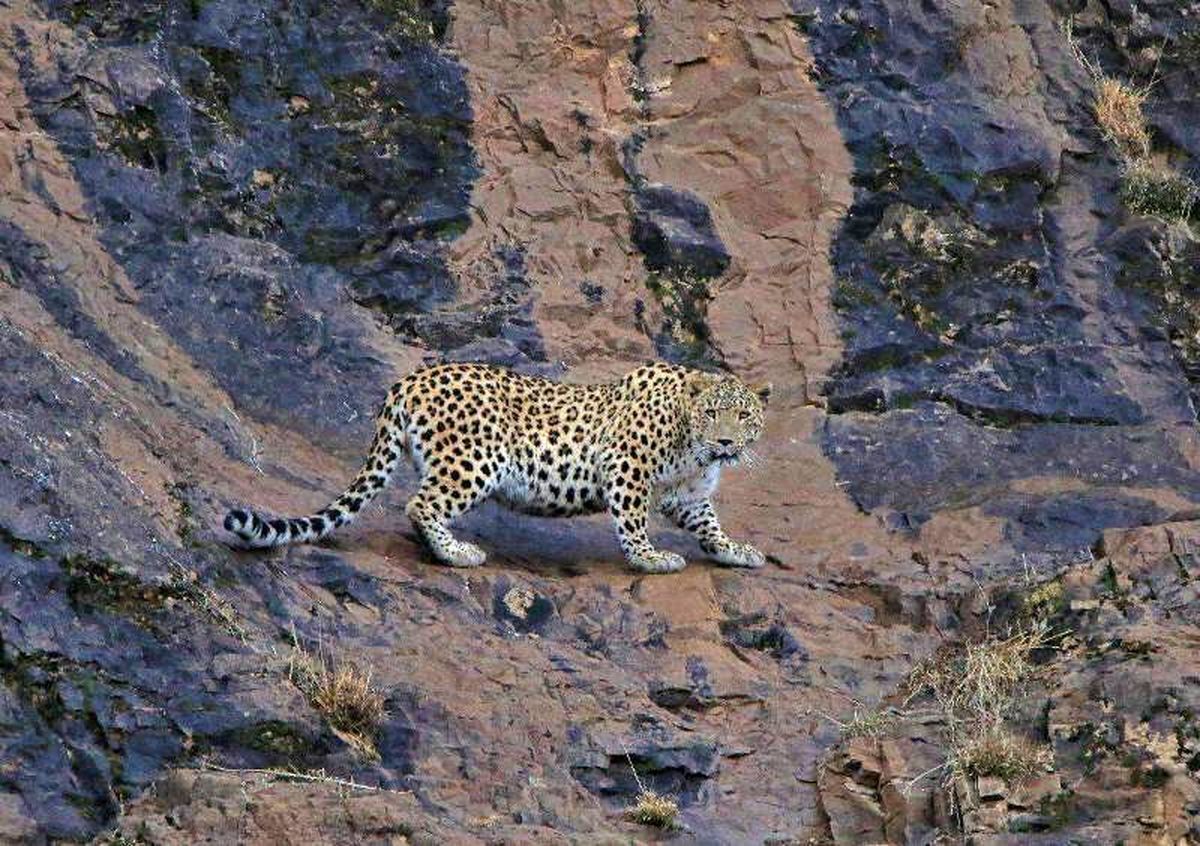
x,y
998,752
343,693
1147,187
653,809
1118,110
978,679
974,690
1117,105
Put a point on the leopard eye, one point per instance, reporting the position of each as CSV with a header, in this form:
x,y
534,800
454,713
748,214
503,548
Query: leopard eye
x,y
711,414
745,415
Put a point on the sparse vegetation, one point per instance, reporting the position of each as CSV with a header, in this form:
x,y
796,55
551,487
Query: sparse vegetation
x,y
1151,188
102,583
1118,111
344,694
407,18
318,776
185,584
684,295
973,689
977,681
653,809
920,255
1003,754
1148,186
867,723
1045,601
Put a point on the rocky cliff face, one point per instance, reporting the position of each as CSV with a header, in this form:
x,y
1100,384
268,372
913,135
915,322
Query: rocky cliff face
x,y
227,226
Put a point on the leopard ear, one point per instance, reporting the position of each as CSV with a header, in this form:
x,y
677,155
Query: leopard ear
x,y
763,390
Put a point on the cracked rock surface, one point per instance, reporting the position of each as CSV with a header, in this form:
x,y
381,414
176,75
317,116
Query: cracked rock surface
x,y
225,228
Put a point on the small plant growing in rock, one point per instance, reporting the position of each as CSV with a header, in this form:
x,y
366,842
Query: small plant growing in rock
x,y
344,694
1154,189
1147,186
980,678
684,295
974,690
1118,111
1000,753
1045,601
868,724
407,17
1117,105
652,808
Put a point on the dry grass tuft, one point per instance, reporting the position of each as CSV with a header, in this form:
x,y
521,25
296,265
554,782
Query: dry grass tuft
x,y
344,694
658,811
1155,189
318,776
974,689
977,681
652,808
1003,754
868,724
1117,105
1118,111
1147,186
1045,601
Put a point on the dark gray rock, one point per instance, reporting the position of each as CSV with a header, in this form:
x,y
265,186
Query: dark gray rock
x,y
972,269
674,230
658,761
253,169
264,162
932,457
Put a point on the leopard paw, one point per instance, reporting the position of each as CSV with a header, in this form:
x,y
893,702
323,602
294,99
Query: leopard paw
x,y
739,555
657,561
463,554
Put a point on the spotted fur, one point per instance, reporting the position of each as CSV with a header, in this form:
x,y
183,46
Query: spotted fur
x,y
658,437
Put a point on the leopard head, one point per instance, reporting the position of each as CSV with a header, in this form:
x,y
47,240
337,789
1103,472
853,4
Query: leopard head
x,y
725,416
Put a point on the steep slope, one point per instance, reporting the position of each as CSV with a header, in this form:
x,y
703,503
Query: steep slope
x,y
226,227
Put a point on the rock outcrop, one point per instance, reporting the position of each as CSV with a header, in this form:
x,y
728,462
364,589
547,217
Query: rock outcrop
x,y
227,226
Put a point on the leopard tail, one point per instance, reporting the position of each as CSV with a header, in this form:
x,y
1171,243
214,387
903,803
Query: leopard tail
x,y
258,532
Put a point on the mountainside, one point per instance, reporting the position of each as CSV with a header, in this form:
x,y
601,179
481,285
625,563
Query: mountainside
x,y
960,240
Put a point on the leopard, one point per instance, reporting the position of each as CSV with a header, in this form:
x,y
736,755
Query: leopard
x,y
654,439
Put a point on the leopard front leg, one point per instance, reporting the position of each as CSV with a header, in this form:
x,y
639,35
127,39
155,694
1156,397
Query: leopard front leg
x,y
690,508
627,491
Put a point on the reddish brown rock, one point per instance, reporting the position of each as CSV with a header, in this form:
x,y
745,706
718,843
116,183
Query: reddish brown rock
x,y
223,235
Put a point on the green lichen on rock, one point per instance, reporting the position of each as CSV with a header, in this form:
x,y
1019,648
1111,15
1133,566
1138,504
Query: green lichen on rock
x,y
1045,601
684,297
919,254
217,85
275,738
102,584
135,20
408,18
34,678
135,134
20,545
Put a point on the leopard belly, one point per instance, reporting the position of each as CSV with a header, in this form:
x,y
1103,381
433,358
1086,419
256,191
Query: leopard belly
x,y
553,477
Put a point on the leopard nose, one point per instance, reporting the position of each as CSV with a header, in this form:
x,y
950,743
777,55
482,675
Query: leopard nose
x,y
725,441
